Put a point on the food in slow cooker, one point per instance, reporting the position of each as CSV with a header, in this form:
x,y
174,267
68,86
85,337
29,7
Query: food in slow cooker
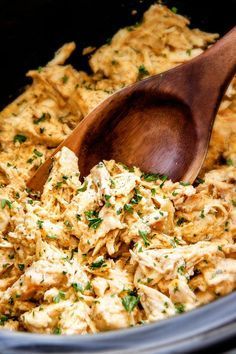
x,y
124,247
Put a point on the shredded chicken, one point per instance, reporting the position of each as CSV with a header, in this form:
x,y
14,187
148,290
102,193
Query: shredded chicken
x,y
122,248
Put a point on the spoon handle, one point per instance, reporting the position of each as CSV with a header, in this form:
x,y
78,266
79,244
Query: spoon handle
x,y
213,71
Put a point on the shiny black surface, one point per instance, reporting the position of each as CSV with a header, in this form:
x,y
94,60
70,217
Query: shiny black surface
x,y
30,32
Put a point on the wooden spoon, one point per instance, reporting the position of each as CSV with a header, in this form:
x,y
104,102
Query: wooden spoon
x,y
161,124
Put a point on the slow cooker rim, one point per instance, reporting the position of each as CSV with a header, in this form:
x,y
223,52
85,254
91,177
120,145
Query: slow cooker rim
x,y
196,322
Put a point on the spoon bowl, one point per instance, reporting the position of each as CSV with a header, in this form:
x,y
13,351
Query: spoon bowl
x,y
161,124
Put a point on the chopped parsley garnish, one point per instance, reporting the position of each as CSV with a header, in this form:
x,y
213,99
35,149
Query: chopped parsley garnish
x,y
130,169
68,224
107,198
189,51
20,138
39,69
3,319
181,269
88,286
65,79
98,264
233,202
59,184
128,207
78,287
119,211
53,237
42,118
202,215
174,9
229,162
37,153
185,184
136,198
180,308
78,217
21,266
6,202
130,302
40,224
142,72
174,242
60,296
175,193
180,221
93,219
152,177
57,331
163,178
153,192
199,180
144,234
84,187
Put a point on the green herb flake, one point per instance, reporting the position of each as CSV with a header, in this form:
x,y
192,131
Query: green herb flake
x,y
136,198
174,10
20,138
77,287
78,217
163,178
150,177
42,118
40,224
189,52
3,319
233,202
202,215
65,79
60,296
128,208
153,192
37,153
144,234
53,237
142,72
57,331
98,264
180,221
181,269
88,286
93,219
185,184
68,224
199,180
119,211
180,308
130,302
84,187
107,198
6,202
229,162
21,266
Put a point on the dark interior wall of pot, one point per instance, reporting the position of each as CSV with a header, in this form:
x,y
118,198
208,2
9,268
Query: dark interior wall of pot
x,y
31,30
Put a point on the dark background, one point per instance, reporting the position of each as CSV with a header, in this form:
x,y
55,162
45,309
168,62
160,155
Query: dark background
x,y
32,30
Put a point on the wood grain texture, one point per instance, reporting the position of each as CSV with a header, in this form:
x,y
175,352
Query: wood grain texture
x,y
160,124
